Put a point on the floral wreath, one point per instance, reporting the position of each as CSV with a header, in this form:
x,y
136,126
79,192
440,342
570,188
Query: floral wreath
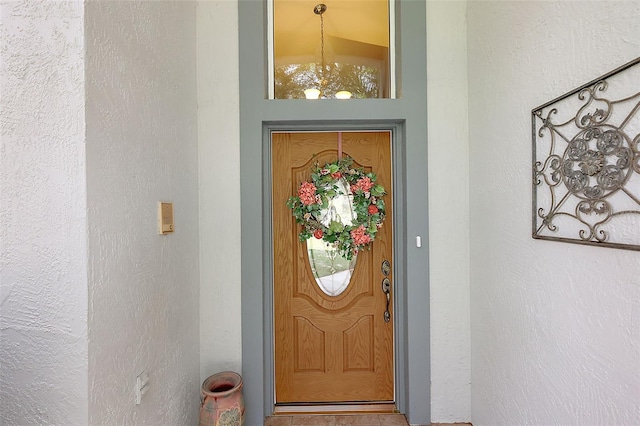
x,y
315,199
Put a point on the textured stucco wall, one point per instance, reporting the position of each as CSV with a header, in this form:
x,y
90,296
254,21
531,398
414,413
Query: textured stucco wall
x,y
448,211
141,119
555,327
219,156
43,280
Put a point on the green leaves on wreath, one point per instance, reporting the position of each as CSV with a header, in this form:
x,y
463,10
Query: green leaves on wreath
x,y
377,190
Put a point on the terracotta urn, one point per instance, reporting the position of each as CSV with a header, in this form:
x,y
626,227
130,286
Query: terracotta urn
x,y
221,400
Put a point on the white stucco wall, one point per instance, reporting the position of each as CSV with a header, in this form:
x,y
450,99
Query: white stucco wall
x,y
555,326
219,157
43,280
555,334
141,119
448,211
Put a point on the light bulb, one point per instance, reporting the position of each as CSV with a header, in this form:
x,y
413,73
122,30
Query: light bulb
x,y
343,94
312,93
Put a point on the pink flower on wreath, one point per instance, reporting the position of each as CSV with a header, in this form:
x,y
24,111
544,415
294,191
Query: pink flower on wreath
x,y
360,236
318,234
307,193
373,209
336,175
363,184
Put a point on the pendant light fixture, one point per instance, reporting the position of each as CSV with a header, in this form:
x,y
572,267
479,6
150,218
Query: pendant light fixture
x,y
315,93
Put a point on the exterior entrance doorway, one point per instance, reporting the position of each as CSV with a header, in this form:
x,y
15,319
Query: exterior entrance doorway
x,y
333,343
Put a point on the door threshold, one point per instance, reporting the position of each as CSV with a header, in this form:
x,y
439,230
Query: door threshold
x,y
310,409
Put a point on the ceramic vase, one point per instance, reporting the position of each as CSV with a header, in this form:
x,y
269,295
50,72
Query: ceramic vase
x,y
221,400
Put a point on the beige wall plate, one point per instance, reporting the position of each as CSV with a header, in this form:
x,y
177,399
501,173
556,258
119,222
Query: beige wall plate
x,y
165,218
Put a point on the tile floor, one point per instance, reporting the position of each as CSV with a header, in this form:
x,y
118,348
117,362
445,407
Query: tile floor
x,y
346,420
338,420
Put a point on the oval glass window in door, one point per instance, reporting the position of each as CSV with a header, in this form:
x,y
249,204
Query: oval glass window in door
x,y
331,271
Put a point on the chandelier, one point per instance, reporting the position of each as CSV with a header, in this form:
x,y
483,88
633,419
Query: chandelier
x,y
314,92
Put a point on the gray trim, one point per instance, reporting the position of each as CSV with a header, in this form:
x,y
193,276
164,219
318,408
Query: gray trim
x,y
407,117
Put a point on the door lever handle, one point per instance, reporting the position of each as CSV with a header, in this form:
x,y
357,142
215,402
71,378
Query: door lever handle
x,y
386,289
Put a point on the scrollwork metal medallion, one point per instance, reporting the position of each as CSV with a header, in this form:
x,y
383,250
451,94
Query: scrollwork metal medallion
x,y
586,163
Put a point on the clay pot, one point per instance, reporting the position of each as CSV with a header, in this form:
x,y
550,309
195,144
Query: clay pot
x,y
221,401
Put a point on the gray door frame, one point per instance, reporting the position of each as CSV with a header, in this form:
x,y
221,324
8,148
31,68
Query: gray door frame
x,y
399,241
406,117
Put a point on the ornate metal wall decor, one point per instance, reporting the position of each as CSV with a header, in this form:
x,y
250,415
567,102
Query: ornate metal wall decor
x,y
586,163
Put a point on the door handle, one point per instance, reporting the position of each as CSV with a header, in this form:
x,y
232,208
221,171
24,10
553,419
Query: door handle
x,y
386,289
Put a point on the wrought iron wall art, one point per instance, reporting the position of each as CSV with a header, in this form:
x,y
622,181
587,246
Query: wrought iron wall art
x,y
586,163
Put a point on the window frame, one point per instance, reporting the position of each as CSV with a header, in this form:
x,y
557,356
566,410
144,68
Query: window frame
x,y
393,75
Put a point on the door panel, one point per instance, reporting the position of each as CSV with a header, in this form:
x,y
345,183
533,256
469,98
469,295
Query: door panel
x,y
329,348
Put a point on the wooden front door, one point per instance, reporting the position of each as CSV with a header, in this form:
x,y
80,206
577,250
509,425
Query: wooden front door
x,y
330,349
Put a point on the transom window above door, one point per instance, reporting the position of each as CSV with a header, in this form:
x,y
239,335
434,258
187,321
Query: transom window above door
x,y
331,49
